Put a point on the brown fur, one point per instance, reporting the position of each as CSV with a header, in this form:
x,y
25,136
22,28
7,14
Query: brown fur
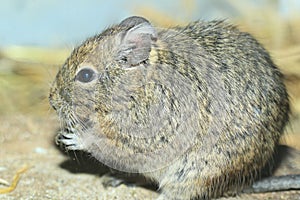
x,y
198,109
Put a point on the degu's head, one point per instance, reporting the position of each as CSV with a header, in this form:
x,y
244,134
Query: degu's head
x,y
99,67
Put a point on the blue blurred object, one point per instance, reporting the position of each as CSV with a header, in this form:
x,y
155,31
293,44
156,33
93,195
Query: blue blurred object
x,y
66,23
55,22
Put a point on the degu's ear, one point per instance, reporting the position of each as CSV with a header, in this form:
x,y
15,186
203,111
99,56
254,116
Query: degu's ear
x,y
136,41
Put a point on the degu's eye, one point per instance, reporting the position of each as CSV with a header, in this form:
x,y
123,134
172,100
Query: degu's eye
x,y
86,75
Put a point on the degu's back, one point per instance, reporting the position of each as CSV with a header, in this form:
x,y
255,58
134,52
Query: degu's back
x,y
243,107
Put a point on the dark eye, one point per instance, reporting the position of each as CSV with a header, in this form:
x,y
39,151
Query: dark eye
x,y
85,75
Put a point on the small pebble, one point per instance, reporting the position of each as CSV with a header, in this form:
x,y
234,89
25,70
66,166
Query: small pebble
x,y
40,150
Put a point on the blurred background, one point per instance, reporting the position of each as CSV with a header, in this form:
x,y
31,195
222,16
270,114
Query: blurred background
x,y
37,36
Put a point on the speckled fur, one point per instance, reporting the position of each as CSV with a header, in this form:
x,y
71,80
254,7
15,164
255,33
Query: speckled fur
x,y
222,78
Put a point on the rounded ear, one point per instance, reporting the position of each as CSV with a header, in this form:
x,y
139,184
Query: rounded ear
x,y
133,21
136,42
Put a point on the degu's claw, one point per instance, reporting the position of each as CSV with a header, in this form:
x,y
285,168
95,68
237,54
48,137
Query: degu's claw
x,y
70,141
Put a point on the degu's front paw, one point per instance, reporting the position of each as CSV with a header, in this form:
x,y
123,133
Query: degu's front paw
x,y
70,141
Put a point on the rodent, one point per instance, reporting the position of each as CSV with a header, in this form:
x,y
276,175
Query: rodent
x,y
198,109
